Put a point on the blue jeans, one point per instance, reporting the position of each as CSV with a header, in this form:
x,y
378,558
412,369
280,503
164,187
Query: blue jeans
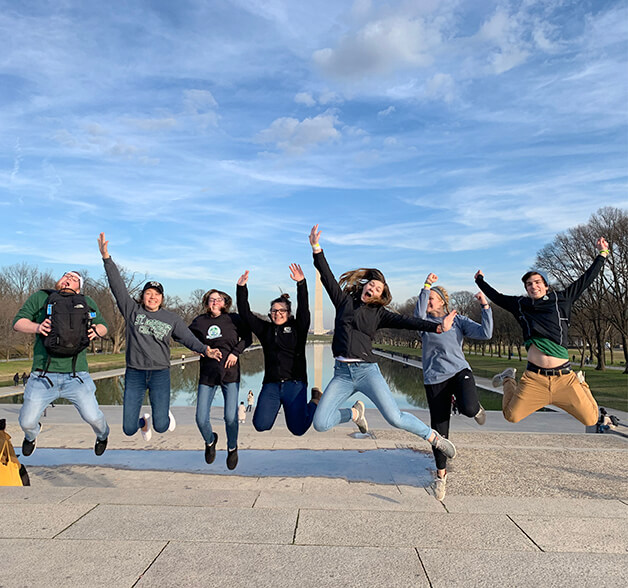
x,y
203,407
38,394
350,378
135,384
293,395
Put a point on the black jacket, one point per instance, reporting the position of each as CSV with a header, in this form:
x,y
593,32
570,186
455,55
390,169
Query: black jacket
x,y
356,323
227,332
549,316
283,345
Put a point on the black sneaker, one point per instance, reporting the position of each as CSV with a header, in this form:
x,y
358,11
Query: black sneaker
x,y
100,446
28,447
232,458
210,450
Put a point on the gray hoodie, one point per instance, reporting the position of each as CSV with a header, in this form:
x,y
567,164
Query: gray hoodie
x,y
148,333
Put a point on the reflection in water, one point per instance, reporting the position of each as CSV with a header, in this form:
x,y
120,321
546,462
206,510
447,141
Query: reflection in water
x,y
406,382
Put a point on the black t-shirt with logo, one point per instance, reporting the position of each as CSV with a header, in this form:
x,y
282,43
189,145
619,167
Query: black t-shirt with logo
x,y
228,333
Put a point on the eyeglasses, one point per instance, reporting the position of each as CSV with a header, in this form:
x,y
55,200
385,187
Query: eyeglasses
x,y
278,311
219,299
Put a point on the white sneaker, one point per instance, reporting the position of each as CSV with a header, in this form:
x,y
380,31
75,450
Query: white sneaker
x,y
173,424
580,376
498,380
146,431
439,487
360,420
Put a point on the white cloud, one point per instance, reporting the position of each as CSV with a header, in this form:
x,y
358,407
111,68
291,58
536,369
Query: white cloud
x,y
294,136
440,87
380,48
305,98
388,111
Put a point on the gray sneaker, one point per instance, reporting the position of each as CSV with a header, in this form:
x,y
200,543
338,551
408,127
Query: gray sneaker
x,y
498,379
360,420
439,487
445,445
480,418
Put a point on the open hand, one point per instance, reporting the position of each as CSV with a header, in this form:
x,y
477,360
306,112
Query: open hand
x,y
296,273
243,279
102,245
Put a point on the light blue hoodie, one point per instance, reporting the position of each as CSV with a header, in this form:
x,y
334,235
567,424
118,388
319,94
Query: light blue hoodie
x,y
442,354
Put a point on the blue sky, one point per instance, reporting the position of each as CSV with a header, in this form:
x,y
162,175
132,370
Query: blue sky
x,y
206,138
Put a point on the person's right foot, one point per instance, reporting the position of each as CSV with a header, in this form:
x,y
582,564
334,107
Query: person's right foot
x,y
232,458
28,446
316,395
439,487
498,379
101,445
360,419
210,450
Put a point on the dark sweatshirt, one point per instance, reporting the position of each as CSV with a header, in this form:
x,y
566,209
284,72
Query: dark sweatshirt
x,y
283,345
549,316
356,322
226,332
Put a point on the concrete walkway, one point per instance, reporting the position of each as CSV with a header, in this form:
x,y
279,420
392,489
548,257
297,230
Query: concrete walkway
x,y
538,503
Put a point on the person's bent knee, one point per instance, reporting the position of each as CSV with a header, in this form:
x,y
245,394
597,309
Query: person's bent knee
x,y
512,417
297,432
320,425
261,426
129,431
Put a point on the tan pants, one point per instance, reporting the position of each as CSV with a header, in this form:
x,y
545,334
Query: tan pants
x,y
535,391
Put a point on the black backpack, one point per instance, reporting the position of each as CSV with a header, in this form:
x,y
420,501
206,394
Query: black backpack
x,y
70,318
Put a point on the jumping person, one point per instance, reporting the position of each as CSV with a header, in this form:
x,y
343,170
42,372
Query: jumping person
x,y
446,372
149,329
283,340
360,298
544,318
58,377
229,334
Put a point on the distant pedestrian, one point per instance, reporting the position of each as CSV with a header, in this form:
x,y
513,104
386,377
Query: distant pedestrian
x,y
241,413
250,399
16,379
25,377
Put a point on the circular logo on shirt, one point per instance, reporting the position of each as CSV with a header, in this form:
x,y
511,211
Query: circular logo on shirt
x,y
214,332
287,329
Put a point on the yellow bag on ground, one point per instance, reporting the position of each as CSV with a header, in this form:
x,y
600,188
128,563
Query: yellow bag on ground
x,y
9,464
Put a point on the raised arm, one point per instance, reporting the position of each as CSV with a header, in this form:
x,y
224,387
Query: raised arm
x,y
126,304
255,323
333,289
575,290
420,310
473,330
391,320
509,303
303,305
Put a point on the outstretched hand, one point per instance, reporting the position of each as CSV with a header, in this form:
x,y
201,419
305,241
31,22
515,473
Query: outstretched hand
x,y
243,279
602,245
431,278
315,235
102,245
296,273
448,321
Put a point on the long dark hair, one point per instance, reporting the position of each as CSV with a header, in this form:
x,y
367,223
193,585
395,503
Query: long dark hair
x,y
353,282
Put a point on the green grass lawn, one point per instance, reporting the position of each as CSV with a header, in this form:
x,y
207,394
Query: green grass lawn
x,y
610,387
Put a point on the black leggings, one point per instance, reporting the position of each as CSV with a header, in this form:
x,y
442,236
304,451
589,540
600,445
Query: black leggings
x,y
462,386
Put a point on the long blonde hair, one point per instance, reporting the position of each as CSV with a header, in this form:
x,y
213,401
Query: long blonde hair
x,y
353,282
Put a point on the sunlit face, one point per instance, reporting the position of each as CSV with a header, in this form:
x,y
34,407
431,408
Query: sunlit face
x,y
69,281
435,305
152,299
279,313
372,291
215,304
535,287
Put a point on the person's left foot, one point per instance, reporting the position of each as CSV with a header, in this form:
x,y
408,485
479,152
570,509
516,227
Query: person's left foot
x,y
232,458
439,487
480,418
443,444
100,446
360,419
172,424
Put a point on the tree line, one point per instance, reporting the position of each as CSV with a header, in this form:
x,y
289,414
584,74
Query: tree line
x,y
599,320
